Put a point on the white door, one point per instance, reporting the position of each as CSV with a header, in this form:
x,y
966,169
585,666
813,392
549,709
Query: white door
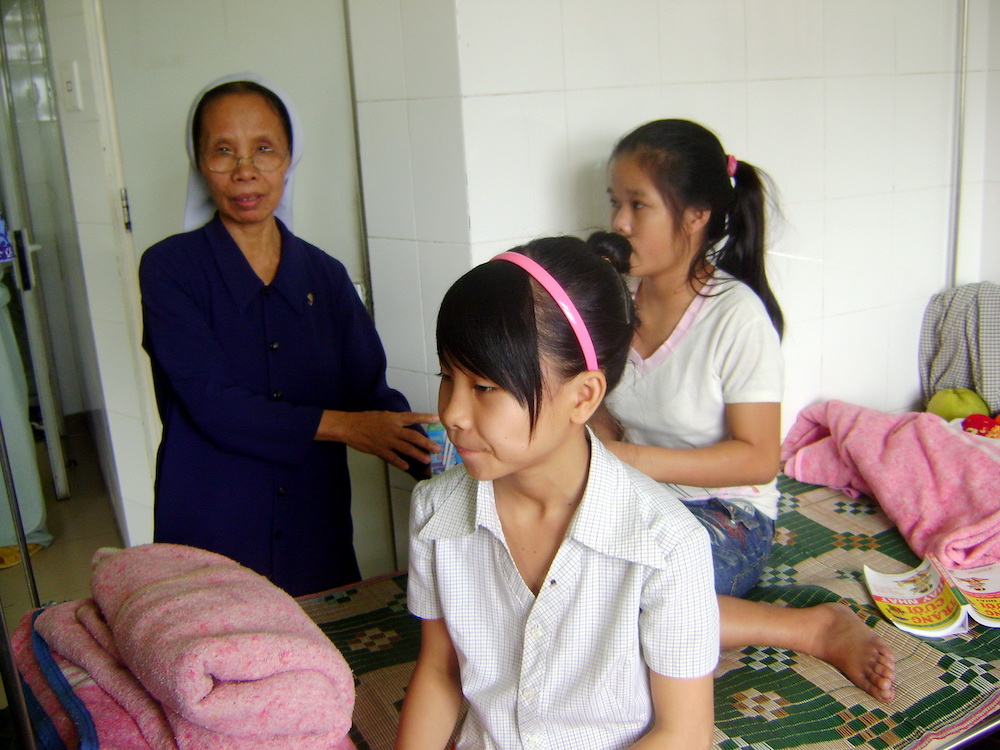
x,y
161,54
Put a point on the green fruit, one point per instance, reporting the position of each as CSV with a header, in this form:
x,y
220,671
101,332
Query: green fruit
x,y
956,403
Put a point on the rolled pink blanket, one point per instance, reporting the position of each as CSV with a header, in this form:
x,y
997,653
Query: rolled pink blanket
x,y
222,647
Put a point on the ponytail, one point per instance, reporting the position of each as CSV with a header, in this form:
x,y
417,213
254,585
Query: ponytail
x,y
742,252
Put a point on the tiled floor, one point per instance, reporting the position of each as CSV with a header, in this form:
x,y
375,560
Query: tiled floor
x,y
80,524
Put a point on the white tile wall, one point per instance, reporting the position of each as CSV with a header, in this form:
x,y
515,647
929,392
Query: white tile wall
x,y
102,272
376,33
786,134
859,153
702,40
395,271
991,229
798,285
857,253
386,168
430,47
501,52
79,139
135,480
140,526
925,36
439,173
784,39
979,34
415,386
920,238
371,514
858,37
611,44
802,349
517,169
902,361
854,358
922,148
798,230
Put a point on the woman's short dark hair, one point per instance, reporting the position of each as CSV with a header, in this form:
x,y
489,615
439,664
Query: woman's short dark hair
x,y
500,324
239,87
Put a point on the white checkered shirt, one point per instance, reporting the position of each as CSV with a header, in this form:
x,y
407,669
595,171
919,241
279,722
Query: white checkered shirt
x,y
630,589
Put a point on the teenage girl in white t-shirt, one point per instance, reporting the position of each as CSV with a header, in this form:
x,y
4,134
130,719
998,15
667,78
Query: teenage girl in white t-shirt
x,y
700,402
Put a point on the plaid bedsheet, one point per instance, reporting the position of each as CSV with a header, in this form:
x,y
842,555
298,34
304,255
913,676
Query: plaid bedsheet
x,y
765,698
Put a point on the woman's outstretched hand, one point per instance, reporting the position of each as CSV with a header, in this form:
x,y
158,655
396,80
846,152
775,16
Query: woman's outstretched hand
x,y
381,433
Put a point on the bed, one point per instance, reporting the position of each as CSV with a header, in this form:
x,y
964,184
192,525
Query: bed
x,y
948,690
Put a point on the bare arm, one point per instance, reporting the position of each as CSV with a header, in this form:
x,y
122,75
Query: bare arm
x,y
751,456
381,433
684,714
434,695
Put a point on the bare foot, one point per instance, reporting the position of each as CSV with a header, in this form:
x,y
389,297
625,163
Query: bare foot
x,y
846,642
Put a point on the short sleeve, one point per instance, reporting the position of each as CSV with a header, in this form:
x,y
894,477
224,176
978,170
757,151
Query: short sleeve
x,y
421,589
751,365
679,611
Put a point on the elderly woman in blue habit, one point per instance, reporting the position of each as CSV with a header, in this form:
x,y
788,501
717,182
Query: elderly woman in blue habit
x,y
266,364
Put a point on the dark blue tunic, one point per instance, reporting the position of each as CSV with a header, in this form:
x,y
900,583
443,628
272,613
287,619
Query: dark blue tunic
x,y
242,372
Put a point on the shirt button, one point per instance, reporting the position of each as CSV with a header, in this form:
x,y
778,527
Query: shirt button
x,y
528,693
536,632
276,396
267,290
273,345
531,741
282,491
277,535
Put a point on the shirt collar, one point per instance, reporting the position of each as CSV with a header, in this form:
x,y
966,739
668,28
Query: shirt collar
x,y
608,520
290,282
457,517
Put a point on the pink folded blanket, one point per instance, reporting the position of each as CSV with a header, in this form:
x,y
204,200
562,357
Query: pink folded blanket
x,y
112,727
222,649
939,485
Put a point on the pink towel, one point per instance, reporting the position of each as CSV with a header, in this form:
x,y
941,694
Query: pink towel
x,y
228,654
940,486
116,728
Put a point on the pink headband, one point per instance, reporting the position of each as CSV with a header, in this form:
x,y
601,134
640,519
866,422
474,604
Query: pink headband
x,y
562,299
731,165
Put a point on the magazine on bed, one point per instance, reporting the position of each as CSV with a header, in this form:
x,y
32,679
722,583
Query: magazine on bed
x,y
932,601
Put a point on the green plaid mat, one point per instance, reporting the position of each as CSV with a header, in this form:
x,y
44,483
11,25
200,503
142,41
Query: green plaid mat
x,y
765,698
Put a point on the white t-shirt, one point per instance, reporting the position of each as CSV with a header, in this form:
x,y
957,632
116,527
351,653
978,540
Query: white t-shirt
x,y
630,589
723,351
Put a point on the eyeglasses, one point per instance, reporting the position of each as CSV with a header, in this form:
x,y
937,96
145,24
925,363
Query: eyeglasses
x,y
264,159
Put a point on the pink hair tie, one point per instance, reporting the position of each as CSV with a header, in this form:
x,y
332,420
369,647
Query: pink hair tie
x,y
731,165
562,299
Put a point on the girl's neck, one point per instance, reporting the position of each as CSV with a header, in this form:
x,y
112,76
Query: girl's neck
x,y
260,244
552,486
661,302
536,506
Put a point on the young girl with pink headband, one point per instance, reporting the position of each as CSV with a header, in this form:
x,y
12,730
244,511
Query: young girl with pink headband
x,y
565,596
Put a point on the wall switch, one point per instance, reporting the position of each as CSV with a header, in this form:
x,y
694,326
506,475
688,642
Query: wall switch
x,y
69,86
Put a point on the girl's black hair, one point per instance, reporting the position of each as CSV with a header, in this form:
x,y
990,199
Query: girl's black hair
x,y
238,87
497,322
687,164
